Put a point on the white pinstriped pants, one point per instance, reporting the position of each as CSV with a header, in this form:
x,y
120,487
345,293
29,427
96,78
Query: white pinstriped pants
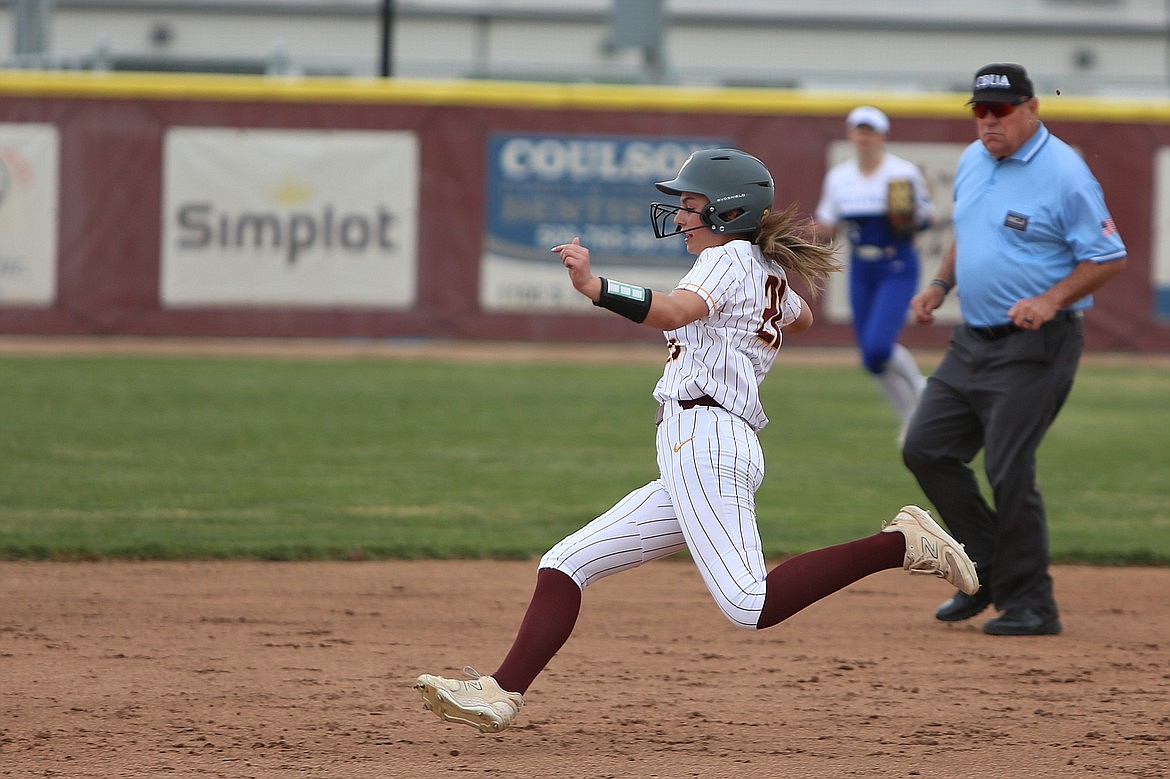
x,y
710,465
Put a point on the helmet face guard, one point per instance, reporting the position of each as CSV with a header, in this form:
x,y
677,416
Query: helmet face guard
x,y
737,185
662,218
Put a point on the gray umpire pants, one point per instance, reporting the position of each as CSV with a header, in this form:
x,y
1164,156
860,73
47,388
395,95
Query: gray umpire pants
x,y
996,390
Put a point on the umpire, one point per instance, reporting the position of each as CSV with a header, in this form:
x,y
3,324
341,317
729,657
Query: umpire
x,y
1033,240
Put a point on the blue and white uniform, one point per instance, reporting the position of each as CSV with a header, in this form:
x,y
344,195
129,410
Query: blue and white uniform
x,y
883,269
883,265
858,200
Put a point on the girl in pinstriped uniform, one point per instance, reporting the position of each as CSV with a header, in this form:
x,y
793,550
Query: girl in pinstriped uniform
x,y
723,323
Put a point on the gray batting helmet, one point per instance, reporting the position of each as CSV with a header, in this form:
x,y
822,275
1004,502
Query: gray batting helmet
x,y
734,182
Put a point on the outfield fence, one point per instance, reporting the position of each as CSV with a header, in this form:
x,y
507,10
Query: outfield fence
x,y
147,204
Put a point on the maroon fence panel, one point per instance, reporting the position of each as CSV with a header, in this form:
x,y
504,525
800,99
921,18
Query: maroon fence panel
x,y
110,221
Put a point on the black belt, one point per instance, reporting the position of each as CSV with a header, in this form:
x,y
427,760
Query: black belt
x,y
703,400
996,332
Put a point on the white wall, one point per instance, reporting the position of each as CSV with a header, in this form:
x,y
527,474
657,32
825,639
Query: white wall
x,y
1079,46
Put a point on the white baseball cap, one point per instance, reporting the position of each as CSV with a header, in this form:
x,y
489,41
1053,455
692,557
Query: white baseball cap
x,y
870,117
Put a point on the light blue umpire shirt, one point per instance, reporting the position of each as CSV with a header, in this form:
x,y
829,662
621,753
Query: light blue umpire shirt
x,y
1023,223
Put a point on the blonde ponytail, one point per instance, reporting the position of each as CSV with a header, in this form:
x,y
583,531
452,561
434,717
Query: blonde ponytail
x,y
786,240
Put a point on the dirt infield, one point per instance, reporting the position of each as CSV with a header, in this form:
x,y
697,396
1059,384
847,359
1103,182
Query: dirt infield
x,y
305,669
241,669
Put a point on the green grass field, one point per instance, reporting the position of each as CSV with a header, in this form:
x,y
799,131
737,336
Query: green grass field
x,y
168,457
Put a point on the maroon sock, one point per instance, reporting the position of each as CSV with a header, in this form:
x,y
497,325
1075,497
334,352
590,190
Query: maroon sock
x,y
805,579
547,624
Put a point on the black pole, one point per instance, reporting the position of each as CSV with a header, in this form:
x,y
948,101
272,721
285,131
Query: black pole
x,y
387,34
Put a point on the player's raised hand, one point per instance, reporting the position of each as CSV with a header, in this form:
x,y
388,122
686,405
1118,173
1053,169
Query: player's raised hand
x,y
575,258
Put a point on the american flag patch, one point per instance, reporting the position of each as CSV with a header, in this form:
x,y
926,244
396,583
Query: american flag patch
x,y
1108,228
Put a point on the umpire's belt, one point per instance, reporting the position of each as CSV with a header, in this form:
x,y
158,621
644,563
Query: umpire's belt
x,y
997,332
869,251
704,400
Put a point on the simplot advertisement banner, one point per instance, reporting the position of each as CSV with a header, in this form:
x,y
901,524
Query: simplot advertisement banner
x,y
290,218
29,155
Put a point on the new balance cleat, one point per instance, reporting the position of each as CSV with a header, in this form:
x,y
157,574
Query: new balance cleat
x,y
931,551
477,701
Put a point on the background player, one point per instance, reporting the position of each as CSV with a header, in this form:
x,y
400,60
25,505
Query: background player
x,y
881,201
723,323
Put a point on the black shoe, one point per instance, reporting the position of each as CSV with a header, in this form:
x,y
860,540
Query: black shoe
x,y
964,606
1023,622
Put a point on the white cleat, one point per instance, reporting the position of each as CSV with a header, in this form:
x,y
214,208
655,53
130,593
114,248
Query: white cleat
x,y
931,551
478,701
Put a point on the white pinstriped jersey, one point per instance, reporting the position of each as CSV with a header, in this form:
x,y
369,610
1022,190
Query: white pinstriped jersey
x,y
726,354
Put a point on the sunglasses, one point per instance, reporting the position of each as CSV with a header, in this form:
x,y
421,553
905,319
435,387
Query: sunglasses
x,y
998,110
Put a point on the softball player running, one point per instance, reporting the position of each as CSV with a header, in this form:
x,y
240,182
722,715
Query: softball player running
x,y
723,323
881,201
